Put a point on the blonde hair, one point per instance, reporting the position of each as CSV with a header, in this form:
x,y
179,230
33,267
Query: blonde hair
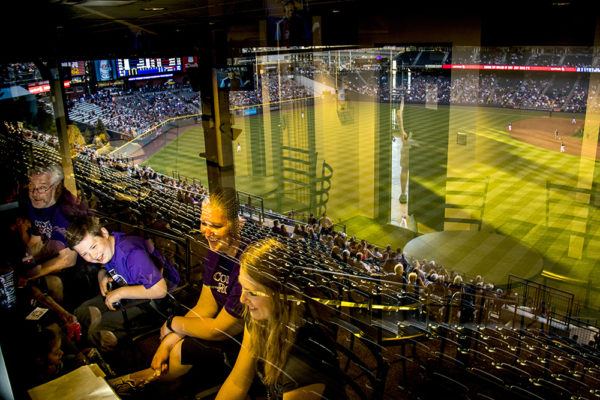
x,y
266,262
412,277
399,269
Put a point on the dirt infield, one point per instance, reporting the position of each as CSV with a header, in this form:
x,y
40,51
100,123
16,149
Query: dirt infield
x,y
540,132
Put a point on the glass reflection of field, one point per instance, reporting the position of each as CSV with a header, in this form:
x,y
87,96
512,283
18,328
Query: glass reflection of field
x,y
518,173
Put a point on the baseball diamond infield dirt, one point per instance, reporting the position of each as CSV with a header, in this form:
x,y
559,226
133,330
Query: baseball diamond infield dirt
x,y
541,132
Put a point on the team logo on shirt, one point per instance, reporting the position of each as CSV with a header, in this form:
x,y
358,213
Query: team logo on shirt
x,y
44,228
222,281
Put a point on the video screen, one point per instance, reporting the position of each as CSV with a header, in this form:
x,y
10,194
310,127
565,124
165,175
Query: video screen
x,y
236,78
105,70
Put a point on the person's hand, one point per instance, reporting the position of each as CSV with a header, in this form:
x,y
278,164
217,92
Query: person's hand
x,y
104,285
160,361
23,224
112,297
68,318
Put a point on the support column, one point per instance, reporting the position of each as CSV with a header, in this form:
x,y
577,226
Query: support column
x,y
587,160
58,103
216,118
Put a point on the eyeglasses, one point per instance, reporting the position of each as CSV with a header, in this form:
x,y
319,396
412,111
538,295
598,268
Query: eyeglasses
x,y
40,189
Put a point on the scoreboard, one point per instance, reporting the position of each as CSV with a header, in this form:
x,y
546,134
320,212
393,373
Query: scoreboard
x,y
143,66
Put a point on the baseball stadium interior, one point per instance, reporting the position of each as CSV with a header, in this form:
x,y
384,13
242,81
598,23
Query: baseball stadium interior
x,y
425,171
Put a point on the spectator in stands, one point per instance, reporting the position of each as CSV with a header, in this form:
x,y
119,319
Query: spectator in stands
x,y
326,224
377,255
416,282
312,220
297,234
285,341
311,234
401,258
388,249
205,337
339,240
133,269
360,265
49,209
290,218
335,253
389,264
398,275
327,240
367,250
276,229
283,231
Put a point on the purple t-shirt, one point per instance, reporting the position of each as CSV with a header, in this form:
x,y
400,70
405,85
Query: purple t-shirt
x,y
132,263
50,224
221,276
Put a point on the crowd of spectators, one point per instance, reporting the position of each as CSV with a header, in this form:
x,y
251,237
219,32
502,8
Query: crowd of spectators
x,y
385,263
135,111
184,191
508,90
278,88
20,73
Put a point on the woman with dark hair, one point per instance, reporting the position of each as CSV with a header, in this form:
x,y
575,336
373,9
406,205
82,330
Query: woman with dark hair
x,y
284,342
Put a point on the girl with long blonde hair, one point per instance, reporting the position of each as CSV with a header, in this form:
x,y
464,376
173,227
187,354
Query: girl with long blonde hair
x,y
283,342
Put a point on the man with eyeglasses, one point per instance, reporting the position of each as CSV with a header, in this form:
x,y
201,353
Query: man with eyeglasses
x,y
49,211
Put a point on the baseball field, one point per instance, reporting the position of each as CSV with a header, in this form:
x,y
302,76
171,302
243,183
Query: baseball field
x,y
535,194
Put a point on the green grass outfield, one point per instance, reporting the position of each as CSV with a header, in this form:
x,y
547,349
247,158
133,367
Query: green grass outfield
x,y
517,172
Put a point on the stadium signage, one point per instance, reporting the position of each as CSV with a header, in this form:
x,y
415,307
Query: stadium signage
x,y
43,87
111,83
139,78
518,68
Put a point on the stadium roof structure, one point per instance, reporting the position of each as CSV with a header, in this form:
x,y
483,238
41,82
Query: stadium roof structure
x,y
84,29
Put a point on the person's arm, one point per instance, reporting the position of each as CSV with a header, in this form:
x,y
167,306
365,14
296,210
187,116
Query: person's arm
x,y
136,292
51,304
204,322
240,378
65,258
35,243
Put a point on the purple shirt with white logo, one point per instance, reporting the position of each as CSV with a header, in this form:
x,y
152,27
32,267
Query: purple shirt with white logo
x,y
132,263
50,224
221,276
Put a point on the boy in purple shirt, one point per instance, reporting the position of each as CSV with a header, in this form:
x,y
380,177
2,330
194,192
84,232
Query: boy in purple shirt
x,y
133,266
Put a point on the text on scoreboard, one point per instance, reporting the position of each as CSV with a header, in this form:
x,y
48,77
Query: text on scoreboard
x,y
143,66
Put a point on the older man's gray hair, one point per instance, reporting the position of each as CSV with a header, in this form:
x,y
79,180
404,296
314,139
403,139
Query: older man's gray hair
x,y
55,171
